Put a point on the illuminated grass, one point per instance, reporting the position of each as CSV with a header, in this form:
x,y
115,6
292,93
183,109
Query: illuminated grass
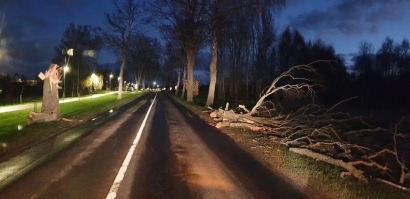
x,y
11,137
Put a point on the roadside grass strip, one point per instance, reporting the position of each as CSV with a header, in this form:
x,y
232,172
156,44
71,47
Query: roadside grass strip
x,y
14,131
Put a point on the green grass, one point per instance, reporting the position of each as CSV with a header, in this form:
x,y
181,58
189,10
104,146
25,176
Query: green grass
x,y
316,176
15,133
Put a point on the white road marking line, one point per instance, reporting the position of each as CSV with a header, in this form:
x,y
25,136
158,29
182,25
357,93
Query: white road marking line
x,y
120,176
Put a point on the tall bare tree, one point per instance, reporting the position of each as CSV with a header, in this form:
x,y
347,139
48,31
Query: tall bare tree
x,y
144,53
221,13
127,20
86,44
186,22
175,61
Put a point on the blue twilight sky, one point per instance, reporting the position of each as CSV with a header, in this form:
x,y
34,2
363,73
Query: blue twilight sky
x,y
345,23
30,29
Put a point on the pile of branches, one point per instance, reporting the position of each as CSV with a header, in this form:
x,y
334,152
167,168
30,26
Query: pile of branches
x,y
363,150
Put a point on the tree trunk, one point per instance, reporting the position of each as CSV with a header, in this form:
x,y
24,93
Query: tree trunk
x,y
143,82
183,83
21,93
121,75
178,81
213,71
138,80
190,71
50,104
50,108
78,81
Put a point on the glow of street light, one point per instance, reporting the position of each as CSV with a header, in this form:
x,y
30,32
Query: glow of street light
x,y
66,68
70,52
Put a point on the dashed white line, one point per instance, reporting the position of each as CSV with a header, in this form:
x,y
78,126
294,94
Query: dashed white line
x,y
120,176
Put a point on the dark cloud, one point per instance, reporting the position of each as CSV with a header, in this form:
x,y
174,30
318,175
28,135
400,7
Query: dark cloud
x,y
33,28
349,27
352,17
31,51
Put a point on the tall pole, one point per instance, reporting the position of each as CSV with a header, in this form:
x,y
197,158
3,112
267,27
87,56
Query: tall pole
x,y
65,70
64,85
78,81
110,80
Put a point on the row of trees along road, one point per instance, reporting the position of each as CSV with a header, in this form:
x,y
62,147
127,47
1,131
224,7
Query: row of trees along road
x,y
188,25
244,49
250,60
194,23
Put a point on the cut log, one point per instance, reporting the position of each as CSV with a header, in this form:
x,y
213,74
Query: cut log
x,y
34,117
351,170
222,124
245,126
214,114
230,115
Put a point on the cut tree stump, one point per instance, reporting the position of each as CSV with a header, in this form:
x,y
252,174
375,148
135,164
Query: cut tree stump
x,y
50,108
34,117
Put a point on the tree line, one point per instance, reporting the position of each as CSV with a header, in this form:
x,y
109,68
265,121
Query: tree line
x,y
244,48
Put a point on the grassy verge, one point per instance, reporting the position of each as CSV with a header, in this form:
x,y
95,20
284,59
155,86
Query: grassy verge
x,y
318,179
15,132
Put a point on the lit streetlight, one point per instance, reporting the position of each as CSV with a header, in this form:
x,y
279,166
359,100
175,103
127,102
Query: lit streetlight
x,y
110,80
65,70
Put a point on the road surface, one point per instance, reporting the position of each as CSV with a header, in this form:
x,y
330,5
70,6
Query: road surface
x,y
151,148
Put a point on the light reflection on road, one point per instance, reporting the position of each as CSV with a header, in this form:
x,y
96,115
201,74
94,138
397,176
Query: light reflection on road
x,y
19,165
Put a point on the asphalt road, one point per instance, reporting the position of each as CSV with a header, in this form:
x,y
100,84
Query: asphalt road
x,y
168,153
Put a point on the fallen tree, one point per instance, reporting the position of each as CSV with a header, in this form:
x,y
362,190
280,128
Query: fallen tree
x,y
325,134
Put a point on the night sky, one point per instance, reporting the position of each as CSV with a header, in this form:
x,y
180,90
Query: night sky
x,y
30,29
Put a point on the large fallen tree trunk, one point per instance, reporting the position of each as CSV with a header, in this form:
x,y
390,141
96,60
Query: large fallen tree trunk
x,y
351,170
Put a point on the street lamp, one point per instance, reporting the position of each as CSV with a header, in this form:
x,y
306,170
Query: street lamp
x,y
118,84
65,70
110,80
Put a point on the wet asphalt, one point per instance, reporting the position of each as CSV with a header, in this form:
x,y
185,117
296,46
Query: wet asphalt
x,y
86,168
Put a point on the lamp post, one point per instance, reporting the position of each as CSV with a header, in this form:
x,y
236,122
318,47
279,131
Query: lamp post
x,y
118,84
70,53
65,70
110,80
